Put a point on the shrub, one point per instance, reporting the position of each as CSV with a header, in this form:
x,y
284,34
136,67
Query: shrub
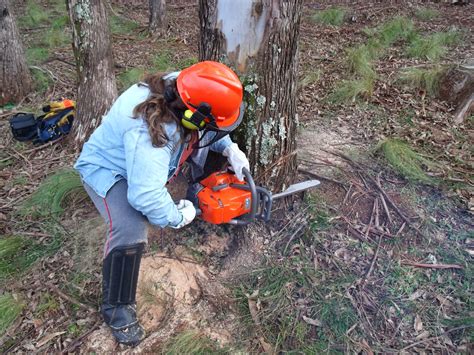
x,y
332,17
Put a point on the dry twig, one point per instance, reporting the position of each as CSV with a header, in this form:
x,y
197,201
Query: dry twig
x,y
433,266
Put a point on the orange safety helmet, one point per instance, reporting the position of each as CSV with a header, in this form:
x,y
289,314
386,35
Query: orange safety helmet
x,y
215,86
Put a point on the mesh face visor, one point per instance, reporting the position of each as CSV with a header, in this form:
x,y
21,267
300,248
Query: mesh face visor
x,y
219,132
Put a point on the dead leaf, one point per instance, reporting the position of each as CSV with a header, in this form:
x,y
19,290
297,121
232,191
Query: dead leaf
x,y
48,338
311,321
418,325
415,295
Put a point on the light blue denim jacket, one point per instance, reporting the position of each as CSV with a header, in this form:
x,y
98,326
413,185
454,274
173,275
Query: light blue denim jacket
x,y
121,148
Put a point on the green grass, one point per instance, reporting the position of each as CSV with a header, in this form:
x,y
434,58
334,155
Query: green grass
x,y
310,77
47,304
49,198
426,79
280,285
18,254
331,17
10,309
405,161
35,15
130,77
350,90
36,55
187,62
360,59
41,80
161,62
122,26
434,46
400,28
191,342
426,13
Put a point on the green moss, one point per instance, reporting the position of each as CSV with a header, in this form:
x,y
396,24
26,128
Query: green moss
x,y
332,17
10,309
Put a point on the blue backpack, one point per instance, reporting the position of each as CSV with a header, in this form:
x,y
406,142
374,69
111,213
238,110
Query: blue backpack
x,y
56,122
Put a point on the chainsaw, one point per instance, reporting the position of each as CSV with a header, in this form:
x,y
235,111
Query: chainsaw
x,y
226,199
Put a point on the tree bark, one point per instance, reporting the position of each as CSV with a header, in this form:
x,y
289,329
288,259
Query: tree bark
x,y
259,39
93,52
158,21
15,78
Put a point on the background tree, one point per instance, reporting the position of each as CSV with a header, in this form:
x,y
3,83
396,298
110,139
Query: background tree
x,y
259,38
15,79
158,20
93,51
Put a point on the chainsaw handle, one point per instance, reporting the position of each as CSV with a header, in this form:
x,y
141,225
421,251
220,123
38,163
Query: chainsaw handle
x,y
253,200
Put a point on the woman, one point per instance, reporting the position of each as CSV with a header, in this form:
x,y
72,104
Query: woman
x,y
142,142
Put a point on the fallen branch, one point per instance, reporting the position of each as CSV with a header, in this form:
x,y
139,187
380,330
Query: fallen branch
x,y
433,266
43,146
79,340
268,348
374,259
316,176
70,299
395,207
436,337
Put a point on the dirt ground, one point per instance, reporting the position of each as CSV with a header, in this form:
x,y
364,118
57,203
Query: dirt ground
x,y
394,257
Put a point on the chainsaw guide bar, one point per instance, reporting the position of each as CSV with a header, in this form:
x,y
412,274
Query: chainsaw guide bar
x,y
225,199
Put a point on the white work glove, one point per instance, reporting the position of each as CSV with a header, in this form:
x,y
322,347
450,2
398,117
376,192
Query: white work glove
x,y
237,160
187,210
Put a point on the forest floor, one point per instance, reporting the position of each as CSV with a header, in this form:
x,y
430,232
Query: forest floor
x,y
378,259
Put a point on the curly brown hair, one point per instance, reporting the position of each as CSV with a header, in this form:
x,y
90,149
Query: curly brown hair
x,y
156,111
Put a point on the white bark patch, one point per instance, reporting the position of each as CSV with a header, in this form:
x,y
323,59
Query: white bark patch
x,y
243,24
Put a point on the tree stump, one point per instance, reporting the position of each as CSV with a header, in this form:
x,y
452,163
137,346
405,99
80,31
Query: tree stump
x,y
457,88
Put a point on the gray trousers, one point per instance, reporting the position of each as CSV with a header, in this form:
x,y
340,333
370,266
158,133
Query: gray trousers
x,y
126,225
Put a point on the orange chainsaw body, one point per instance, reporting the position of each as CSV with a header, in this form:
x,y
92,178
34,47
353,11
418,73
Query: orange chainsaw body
x,y
219,201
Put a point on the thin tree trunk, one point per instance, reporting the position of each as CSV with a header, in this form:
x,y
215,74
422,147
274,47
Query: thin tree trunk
x,y
15,78
158,21
93,51
259,38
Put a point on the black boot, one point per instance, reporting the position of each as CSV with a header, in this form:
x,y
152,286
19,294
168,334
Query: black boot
x,y
119,285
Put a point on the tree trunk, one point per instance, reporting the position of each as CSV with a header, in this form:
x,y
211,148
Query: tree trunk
x,y
158,20
259,39
93,51
15,79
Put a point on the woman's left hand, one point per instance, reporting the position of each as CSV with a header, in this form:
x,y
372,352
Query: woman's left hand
x,y
237,159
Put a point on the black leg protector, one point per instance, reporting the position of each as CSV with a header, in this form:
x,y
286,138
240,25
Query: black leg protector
x,y
119,286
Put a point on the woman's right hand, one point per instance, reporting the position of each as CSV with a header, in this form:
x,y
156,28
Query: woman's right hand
x,y
187,210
